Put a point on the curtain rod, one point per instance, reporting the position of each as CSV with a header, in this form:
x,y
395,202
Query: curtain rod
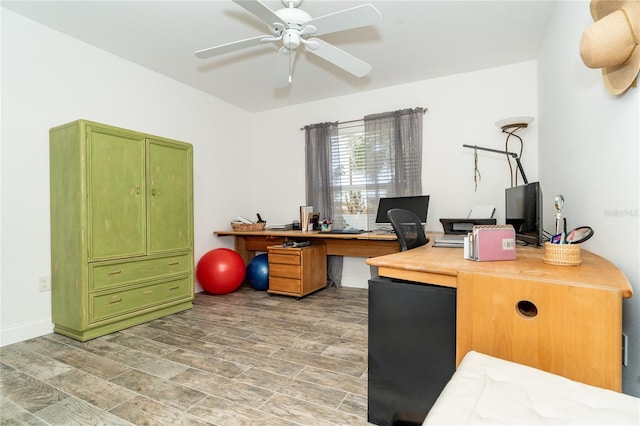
x,y
424,111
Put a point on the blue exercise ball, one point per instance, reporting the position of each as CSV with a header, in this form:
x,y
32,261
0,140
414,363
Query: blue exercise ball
x,y
258,272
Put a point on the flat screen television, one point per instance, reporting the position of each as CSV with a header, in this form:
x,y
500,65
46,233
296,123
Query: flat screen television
x,y
418,204
523,210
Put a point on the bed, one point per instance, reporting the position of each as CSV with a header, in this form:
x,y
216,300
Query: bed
x,y
487,390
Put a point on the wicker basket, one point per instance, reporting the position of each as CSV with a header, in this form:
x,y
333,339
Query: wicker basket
x,y
248,227
562,254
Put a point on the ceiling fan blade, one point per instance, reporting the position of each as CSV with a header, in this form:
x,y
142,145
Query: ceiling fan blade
x,y
355,17
260,10
230,47
338,57
284,67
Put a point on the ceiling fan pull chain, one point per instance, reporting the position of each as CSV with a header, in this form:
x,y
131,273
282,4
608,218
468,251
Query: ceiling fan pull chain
x,y
290,67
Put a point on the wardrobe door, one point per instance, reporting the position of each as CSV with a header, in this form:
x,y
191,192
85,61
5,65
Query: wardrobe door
x,y
116,188
170,196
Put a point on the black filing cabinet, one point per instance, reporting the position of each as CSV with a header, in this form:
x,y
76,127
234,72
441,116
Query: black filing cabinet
x,y
412,345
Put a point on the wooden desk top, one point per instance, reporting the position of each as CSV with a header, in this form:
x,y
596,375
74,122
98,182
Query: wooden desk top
x,y
441,265
373,235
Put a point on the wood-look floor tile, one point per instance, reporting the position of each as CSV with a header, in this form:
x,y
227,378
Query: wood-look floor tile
x,y
26,391
12,414
331,364
32,363
355,405
101,393
99,366
249,359
310,392
149,364
222,387
226,413
73,411
99,346
284,341
164,325
331,379
164,391
144,411
147,346
307,413
207,363
240,343
189,344
345,354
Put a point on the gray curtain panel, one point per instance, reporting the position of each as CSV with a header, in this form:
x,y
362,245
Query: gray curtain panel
x,y
397,135
318,138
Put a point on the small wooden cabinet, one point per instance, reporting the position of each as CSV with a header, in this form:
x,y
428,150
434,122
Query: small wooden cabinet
x,y
297,271
121,228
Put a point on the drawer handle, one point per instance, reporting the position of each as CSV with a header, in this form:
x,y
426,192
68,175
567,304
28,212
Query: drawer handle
x,y
174,288
113,302
114,272
174,263
527,309
147,292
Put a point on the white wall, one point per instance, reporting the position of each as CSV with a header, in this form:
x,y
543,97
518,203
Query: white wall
x,y
49,79
589,153
463,109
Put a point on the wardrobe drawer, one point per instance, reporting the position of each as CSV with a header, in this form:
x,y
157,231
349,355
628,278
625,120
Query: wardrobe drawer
x,y
107,305
106,275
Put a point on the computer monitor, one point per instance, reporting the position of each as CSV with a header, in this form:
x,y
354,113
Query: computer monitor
x,y
523,210
418,204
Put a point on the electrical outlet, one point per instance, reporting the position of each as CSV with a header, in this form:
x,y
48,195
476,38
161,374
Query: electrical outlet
x,y
625,350
44,284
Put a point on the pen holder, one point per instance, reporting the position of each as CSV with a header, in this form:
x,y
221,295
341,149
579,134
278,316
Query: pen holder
x,y
562,254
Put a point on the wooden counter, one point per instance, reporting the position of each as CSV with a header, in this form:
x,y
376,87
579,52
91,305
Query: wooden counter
x,y
563,319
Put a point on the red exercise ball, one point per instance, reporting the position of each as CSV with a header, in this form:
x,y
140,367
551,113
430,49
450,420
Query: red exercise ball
x,y
220,271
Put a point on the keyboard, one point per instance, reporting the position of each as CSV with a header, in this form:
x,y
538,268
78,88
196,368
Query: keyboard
x,y
343,231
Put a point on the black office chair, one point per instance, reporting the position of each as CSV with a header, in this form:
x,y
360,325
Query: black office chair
x,y
408,229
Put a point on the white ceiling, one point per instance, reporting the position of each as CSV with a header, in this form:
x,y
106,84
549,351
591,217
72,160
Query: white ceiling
x,y
417,40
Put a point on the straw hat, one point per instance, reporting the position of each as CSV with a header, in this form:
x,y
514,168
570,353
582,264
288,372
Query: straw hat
x,y
611,43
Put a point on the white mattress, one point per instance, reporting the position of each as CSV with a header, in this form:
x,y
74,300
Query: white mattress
x,y
486,390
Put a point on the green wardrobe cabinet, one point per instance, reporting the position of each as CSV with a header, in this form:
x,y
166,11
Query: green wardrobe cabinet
x,y
121,228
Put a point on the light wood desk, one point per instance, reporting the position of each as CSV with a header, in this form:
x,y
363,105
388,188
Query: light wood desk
x,y
368,244
576,331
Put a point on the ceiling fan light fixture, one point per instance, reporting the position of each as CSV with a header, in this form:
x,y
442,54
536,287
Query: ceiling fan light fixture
x,y
291,39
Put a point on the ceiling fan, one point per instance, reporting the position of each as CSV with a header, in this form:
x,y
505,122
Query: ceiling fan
x,y
292,27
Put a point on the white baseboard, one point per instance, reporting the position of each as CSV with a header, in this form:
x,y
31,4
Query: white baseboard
x,y
24,332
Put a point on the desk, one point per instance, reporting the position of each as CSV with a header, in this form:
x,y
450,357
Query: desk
x,y
368,244
575,330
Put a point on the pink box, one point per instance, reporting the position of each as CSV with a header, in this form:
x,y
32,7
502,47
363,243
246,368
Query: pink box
x,y
494,242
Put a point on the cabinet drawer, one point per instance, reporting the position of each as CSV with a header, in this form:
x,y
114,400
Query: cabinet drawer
x,y
106,275
108,305
289,259
286,285
284,271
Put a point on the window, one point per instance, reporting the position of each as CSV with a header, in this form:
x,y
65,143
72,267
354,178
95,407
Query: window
x,y
380,156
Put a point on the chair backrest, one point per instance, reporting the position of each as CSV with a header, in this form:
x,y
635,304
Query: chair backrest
x,y
408,228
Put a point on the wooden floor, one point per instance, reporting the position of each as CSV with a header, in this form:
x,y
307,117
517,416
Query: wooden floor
x,y
241,358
